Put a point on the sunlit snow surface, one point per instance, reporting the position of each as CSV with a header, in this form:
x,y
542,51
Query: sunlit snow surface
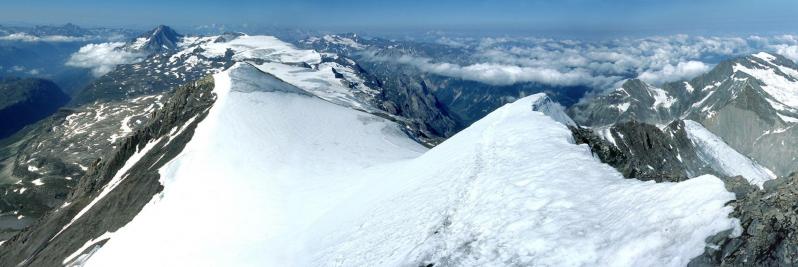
x,y
722,157
274,176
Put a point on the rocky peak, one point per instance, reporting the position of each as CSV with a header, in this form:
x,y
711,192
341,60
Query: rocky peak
x,y
156,40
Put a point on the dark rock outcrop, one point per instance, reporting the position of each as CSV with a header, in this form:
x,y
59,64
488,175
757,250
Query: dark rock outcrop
x,y
645,152
59,233
769,220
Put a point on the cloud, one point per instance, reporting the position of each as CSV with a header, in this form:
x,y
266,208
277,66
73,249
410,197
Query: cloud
x,y
789,51
501,74
103,58
600,64
24,37
671,73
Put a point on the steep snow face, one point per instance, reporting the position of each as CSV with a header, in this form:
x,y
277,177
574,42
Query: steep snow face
x,y
274,176
544,104
722,157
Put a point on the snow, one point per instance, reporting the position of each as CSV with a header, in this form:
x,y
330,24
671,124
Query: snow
x,y
78,256
37,182
788,119
661,98
722,157
275,176
321,82
335,39
120,175
623,107
606,134
782,88
543,104
688,87
139,43
765,56
261,47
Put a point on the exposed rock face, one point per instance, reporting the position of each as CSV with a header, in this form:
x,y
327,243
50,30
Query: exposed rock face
x,y
49,242
160,39
769,218
750,102
679,151
440,105
403,96
642,151
635,100
25,101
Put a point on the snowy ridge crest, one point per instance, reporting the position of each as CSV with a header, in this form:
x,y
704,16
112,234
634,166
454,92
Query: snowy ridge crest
x,y
319,184
542,103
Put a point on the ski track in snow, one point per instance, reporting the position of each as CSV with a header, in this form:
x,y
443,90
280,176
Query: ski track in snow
x,y
272,177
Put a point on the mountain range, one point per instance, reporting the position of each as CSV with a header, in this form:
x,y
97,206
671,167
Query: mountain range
x,y
214,150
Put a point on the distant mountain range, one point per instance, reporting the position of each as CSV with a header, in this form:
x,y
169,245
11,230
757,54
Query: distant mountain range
x,y
319,156
751,102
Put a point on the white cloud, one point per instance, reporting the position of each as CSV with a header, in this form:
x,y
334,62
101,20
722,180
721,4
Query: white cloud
x,y
788,51
600,64
24,37
103,58
671,73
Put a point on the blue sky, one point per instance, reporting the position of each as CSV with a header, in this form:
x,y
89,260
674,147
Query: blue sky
x,y
542,16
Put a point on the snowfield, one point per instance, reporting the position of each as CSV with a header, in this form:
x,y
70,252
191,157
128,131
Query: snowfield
x,y
277,176
712,150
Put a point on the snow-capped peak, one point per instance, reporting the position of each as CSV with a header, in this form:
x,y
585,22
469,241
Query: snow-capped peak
x,y
158,39
778,76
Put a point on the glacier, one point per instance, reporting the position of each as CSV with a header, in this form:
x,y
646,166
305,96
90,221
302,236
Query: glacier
x,y
724,159
277,176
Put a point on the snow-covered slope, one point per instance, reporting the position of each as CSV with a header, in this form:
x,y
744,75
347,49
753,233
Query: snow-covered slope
x,y
267,160
552,109
276,176
711,149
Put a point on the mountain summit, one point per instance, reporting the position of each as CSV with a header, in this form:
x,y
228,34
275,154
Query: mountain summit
x,y
156,40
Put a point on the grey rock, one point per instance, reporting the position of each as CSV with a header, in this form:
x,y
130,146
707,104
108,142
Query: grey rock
x,y
769,218
42,245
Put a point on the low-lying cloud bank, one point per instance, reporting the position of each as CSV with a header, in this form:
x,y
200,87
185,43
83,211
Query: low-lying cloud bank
x,y
24,37
599,64
103,58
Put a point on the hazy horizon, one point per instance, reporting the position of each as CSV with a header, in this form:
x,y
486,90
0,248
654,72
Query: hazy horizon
x,y
570,18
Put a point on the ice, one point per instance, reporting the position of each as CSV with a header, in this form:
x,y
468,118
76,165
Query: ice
x,y
274,176
722,157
